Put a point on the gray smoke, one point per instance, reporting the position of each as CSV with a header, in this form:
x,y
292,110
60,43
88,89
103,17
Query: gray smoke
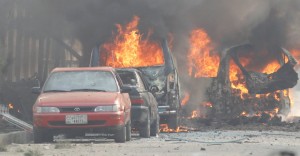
x,y
263,23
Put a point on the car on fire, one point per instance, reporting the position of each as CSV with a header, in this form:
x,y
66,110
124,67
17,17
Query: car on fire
x,y
76,101
164,76
144,110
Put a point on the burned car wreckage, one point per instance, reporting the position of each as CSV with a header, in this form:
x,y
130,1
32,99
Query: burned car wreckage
x,y
266,92
164,76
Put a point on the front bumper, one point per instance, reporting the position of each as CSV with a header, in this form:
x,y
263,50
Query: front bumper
x,y
95,120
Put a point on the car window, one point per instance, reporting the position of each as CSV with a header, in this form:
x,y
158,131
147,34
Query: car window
x,y
76,80
141,83
128,78
144,80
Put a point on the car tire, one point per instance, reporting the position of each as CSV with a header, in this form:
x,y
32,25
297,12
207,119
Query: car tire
x,y
128,131
120,135
41,136
145,127
155,127
173,121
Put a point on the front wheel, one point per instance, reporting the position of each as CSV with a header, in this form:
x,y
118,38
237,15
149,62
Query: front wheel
x,y
120,135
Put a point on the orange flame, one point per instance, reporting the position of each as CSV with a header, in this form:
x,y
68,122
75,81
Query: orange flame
x,y
201,61
185,99
207,104
296,54
244,113
165,128
10,106
194,114
271,67
128,49
236,78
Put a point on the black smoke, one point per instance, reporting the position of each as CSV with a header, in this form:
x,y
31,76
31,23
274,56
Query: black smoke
x,y
262,23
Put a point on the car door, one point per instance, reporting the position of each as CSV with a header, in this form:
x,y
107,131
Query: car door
x,y
151,98
126,99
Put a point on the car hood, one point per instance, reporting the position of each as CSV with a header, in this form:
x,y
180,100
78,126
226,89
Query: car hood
x,y
66,99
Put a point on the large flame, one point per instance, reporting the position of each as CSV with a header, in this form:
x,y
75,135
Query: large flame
x,y
201,61
185,99
237,79
130,49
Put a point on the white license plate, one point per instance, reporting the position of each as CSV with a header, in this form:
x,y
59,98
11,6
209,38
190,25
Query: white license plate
x,y
76,119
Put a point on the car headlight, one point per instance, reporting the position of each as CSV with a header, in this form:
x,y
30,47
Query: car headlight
x,y
47,110
110,108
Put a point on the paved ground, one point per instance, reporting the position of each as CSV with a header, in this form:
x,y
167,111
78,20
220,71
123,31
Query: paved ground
x,y
219,143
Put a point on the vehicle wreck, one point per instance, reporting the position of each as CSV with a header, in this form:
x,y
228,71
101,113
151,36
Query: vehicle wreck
x,y
261,83
128,49
267,93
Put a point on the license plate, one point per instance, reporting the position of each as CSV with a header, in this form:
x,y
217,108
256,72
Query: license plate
x,y
76,119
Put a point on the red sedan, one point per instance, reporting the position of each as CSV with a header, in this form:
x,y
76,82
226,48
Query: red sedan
x,y
76,101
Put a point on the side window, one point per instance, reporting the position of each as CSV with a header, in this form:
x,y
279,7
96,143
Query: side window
x,y
119,80
145,85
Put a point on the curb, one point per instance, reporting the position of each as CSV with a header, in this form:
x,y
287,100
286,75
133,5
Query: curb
x,y
19,137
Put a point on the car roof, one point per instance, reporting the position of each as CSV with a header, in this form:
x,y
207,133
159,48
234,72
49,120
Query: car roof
x,y
127,69
83,69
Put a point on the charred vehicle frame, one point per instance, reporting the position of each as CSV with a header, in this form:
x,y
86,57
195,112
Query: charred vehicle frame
x,y
165,77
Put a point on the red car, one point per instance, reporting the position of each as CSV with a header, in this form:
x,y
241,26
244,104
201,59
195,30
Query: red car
x,y
76,101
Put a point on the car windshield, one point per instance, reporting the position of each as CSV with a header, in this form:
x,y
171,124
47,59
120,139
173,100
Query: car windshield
x,y
81,81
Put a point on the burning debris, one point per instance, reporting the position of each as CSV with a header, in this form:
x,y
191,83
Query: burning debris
x,y
260,83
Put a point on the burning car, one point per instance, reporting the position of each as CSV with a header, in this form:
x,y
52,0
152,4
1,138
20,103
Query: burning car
x,y
267,93
244,80
153,59
75,101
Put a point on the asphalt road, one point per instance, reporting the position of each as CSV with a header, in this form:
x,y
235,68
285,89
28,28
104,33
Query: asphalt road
x,y
217,143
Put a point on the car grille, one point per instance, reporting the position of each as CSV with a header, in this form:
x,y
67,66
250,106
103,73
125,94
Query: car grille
x,y
62,123
76,109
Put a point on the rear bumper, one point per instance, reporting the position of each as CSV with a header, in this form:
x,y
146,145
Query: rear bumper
x,y
139,114
165,111
96,120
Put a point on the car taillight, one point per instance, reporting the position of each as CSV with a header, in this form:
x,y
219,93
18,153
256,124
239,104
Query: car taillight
x,y
138,101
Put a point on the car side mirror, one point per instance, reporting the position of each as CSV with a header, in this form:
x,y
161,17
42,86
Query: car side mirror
x,y
154,89
36,90
125,89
